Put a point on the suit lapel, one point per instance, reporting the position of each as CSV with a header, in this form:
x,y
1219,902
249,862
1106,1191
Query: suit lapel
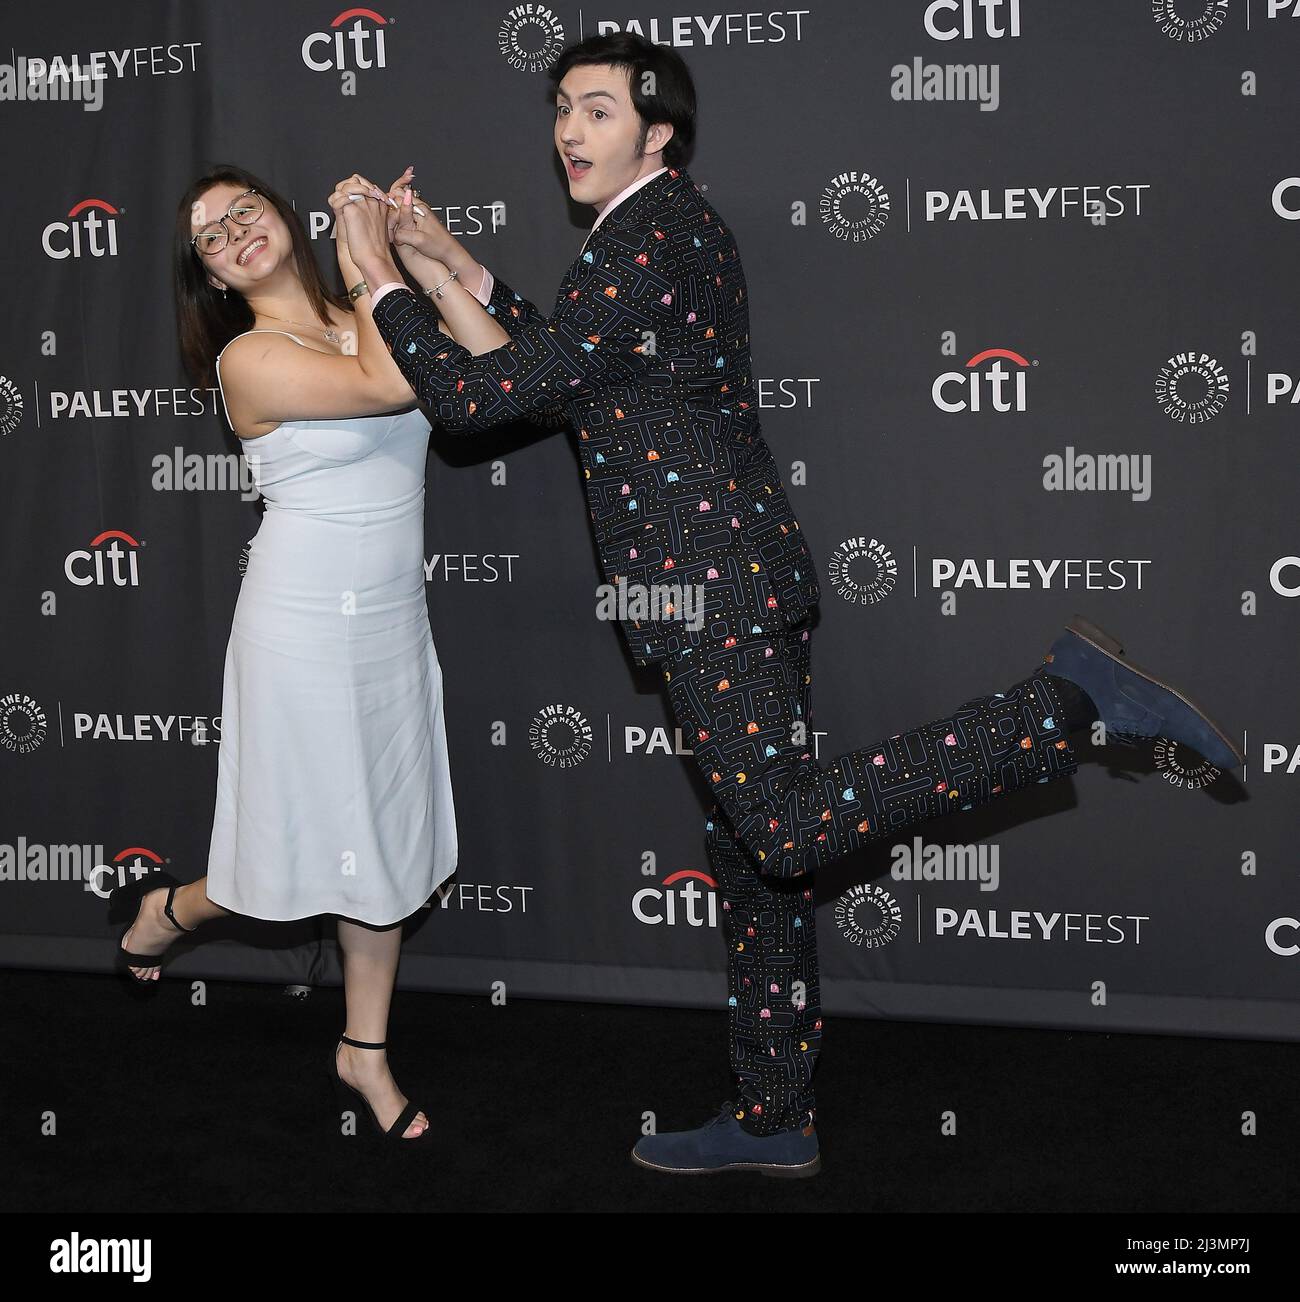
x,y
630,210
646,197
640,201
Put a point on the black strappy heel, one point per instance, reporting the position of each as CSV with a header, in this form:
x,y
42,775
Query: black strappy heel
x,y
125,903
397,1130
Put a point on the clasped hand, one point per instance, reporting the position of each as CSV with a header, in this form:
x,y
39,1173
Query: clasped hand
x,y
369,219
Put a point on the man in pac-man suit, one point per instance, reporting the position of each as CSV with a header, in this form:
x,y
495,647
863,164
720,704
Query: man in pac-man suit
x,y
646,356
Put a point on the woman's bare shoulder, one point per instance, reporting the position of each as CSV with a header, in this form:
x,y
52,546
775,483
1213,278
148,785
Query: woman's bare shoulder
x,y
255,346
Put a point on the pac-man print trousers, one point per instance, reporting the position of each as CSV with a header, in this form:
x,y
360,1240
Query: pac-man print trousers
x,y
780,815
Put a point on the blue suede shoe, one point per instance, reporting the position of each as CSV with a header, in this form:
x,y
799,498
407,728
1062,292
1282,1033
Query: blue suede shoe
x,y
721,1145
1132,701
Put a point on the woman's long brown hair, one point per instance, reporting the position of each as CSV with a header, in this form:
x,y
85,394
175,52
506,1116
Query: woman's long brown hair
x,y
206,319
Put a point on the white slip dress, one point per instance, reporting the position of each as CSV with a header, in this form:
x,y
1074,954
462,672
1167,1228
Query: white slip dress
x,y
333,785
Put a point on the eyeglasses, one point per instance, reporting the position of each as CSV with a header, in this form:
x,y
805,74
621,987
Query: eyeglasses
x,y
245,210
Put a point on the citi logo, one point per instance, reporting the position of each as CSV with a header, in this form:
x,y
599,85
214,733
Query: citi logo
x,y
127,866
101,565
1277,583
1286,945
1285,204
329,52
951,20
89,230
671,905
971,389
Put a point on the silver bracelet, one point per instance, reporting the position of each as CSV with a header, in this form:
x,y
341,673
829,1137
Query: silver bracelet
x,y
436,291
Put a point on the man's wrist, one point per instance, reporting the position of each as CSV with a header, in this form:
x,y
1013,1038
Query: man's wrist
x,y
378,291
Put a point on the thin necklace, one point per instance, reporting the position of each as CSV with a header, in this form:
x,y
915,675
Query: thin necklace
x,y
331,335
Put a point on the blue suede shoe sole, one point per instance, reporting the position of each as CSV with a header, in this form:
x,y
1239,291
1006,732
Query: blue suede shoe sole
x,y
780,1171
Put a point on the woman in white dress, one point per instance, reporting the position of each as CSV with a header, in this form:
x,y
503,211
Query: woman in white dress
x,y
333,789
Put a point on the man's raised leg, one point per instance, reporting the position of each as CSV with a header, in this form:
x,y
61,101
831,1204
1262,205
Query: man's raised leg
x,y
746,709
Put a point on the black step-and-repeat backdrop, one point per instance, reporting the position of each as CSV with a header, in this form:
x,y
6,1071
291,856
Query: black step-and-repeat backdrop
x,y
1024,311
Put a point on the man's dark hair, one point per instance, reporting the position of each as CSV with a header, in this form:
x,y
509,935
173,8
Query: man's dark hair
x,y
656,67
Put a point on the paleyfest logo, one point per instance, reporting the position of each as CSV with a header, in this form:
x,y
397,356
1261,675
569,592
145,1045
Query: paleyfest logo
x,y
862,570
855,206
84,232
530,37
23,724
329,52
11,406
1192,388
1205,19
868,916
1178,771
561,736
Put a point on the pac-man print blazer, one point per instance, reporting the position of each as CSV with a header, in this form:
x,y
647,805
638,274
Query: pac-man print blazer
x,y
646,356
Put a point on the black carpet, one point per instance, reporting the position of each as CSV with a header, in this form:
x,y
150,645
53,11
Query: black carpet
x,y
159,1105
